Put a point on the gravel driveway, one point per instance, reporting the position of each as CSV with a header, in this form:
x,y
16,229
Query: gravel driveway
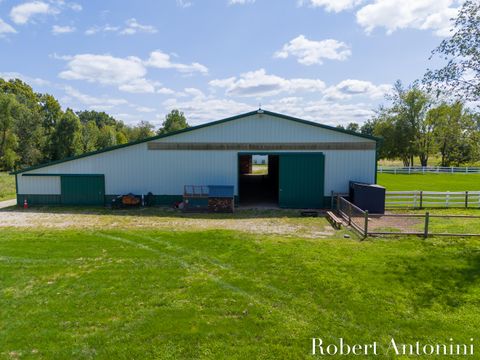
x,y
280,222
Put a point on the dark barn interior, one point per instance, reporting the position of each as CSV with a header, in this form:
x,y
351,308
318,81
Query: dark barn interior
x,y
257,187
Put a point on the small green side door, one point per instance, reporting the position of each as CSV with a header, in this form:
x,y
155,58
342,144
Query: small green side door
x,y
301,180
82,189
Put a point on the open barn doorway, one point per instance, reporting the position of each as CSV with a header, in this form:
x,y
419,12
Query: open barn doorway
x,y
258,180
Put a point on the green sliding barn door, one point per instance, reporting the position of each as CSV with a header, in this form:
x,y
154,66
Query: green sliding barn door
x,y
301,179
83,189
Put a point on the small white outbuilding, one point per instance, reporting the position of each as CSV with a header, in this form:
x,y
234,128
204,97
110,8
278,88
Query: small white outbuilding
x,y
307,161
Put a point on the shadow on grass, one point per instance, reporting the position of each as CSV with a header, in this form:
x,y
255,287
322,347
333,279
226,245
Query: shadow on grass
x,y
241,213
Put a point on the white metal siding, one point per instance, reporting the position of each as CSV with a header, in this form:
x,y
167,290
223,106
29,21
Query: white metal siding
x,y
164,172
39,185
138,170
343,166
263,128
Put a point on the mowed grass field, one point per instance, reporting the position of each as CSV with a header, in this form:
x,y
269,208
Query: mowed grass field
x,y
216,294
7,186
430,182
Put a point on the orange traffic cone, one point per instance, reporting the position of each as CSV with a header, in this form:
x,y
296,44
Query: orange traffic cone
x,y
25,204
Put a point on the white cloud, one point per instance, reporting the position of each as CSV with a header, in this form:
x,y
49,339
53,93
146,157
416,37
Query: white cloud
x,y
351,87
322,111
240,2
393,15
258,83
57,29
200,108
140,85
25,78
310,52
126,73
184,3
22,14
94,102
417,14
75,6
160,60
165,91
6,28
332,5
105,28
144,109
133,27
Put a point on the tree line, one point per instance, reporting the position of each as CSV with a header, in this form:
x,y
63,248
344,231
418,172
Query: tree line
x,y
416,126
438,114
34,129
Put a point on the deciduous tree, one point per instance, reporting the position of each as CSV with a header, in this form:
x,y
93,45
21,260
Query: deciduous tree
x,y
174,121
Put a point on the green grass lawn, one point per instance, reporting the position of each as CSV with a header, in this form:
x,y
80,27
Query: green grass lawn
x,y
139,293
430,182
7,186
260,169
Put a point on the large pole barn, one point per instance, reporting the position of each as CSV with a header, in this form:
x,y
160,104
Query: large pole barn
x,y
307,161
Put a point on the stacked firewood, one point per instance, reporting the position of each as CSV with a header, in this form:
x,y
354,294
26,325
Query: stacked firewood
x,y
130,200
222,205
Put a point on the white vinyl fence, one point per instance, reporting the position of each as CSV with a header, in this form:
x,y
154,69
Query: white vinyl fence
x,y
428,169
428,199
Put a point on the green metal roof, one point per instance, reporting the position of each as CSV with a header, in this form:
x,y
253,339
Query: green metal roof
x,y
260,111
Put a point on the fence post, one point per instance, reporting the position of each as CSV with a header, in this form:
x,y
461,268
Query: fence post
x,y
452,169
338,202
427,220
365,234
421,199
447,198
331,199
349,213
466,199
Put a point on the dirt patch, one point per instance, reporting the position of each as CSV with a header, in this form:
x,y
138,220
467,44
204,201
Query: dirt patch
x,y
395,224
277,222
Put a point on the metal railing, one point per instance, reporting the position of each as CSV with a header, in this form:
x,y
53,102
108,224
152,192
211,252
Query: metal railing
x,y
428,170
353,215
430,199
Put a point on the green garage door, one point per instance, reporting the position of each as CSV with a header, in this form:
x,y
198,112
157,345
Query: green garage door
x,y
301,178
83,189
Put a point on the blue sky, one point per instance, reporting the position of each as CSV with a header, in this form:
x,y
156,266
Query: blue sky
x,y
329,61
